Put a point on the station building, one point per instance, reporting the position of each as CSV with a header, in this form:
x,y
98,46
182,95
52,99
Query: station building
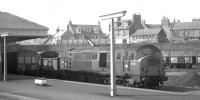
x,y
14,28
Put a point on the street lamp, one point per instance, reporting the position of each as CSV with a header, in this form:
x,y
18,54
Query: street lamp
x,y
112,49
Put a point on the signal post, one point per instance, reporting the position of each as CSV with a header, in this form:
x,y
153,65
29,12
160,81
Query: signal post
x,y
113,91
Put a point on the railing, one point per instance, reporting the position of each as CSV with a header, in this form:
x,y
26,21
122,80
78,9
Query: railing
x,y
82,42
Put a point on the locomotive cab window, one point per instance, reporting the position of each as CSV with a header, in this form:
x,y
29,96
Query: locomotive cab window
x,y
103,60
132,56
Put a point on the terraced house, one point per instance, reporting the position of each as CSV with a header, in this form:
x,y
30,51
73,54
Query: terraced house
x,y
152,35
123,29
132,30
80,34
181,31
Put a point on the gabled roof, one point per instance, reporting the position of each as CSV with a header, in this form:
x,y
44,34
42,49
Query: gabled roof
x,y
153,25
10,21
84,26
68,34
187,25
147,31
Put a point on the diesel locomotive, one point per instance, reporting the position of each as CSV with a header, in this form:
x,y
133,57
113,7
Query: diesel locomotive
x,y
136,65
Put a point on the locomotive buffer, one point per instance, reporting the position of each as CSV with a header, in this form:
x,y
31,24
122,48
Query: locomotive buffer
x,y
112,49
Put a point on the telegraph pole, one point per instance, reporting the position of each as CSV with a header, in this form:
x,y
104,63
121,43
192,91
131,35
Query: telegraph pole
x,y
113,90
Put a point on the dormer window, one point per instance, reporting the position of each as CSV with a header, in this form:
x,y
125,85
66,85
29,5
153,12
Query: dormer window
x,y
125,24
96,30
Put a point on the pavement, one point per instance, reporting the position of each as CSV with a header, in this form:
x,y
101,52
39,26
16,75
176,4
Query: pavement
x,y
23,88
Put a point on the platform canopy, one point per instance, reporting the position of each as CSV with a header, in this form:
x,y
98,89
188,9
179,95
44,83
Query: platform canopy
x,y
13,29
18,29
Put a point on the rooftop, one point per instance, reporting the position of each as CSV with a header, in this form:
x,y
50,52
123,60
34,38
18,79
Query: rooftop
x,y
10,21
147,31
187,25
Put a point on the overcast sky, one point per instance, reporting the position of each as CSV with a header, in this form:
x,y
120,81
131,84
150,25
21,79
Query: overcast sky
x,y
54,13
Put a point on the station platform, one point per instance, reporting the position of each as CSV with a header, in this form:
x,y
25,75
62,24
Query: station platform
x,y
23,88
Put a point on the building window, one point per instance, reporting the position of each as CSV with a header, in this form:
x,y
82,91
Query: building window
x,y
125,24
97,37
78,30
124,41
118,33
125,33
96,30
121,34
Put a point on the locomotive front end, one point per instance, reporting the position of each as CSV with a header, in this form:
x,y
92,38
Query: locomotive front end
x,y
152,71
147,69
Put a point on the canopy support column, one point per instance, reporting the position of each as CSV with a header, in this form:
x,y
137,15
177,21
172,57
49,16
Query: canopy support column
x,y
5,61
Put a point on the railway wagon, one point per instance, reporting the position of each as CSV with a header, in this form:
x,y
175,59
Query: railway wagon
x,y
136,65
181,56
30,62
49,64
23,61
181,59
12,63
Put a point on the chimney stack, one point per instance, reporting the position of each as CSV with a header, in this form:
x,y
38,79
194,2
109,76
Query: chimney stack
x,y
136,18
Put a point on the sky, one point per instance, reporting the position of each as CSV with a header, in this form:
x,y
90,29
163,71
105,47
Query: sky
x,y
57,13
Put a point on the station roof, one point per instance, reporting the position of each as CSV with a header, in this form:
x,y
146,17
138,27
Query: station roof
x,y
18,28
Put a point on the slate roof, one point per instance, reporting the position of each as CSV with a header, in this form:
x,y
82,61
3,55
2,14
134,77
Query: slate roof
x,y
10,21
85,26
153,25
147,31
82,26
187,25
68,34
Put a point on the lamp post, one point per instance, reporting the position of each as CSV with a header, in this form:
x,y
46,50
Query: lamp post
x,y
112,50
4,35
